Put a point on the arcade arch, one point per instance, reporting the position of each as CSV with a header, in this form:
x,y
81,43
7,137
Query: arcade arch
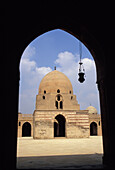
x,y
26,129
93,129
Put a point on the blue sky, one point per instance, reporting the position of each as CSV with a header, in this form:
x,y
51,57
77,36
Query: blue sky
x,y
61,49
50,44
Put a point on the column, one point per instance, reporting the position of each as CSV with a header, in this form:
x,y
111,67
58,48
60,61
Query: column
x,y
108,121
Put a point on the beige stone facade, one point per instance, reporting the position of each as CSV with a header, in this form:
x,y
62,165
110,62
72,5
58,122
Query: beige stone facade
x,y
57,112
25,125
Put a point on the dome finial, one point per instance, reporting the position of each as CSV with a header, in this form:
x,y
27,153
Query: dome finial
x,y
55,68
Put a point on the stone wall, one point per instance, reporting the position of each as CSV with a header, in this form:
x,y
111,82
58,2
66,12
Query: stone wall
x,y
47,102
23,118
97,119
76,125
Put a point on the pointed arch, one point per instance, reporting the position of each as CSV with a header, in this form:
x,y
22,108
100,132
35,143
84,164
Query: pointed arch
x,y
59,126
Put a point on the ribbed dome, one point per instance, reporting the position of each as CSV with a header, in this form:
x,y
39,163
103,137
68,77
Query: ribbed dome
x,y
91,110
54,82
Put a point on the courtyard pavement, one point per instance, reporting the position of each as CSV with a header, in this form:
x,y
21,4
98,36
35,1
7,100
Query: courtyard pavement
x,y
60,153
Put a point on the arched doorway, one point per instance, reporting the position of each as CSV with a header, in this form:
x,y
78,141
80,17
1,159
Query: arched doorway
x,y
26,129
59,126
93,129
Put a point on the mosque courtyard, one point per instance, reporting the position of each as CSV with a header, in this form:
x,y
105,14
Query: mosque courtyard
x,y
59,153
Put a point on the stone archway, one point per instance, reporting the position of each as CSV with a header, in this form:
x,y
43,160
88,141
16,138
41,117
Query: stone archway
x,y
26,129
96,41
93,129
59,126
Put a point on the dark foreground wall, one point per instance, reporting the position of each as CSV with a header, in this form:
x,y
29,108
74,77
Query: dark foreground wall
x,y
93,25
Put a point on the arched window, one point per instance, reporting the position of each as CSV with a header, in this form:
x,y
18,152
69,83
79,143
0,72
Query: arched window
x,y
59,102
43,97
58,97
71,97
58,91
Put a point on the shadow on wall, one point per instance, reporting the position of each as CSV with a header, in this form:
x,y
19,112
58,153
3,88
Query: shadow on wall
x,y
87,161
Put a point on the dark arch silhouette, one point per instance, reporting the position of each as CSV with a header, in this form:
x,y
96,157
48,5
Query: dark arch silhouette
x,y
92,32
93,129
26,129
59,126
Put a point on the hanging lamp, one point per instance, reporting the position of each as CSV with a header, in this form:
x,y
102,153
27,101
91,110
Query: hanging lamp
x,y
81,73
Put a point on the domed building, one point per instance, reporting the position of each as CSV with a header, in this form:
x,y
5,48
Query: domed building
x,y
57,112
94,121
91,110
56,93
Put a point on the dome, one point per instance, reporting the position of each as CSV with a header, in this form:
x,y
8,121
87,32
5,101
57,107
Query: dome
x,y
91,110
55,82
